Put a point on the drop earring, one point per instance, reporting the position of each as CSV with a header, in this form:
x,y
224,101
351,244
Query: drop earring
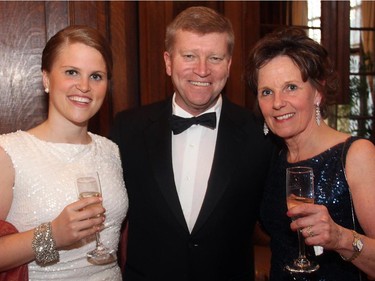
x,y
317,114
265,129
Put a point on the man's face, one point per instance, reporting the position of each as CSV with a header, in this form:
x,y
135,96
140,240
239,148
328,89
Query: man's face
x,y
199,67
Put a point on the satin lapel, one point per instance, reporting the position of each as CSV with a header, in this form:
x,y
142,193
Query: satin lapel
x,y
158,139
230,135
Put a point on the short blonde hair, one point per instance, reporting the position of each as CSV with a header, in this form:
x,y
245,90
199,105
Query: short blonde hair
x,y
201,20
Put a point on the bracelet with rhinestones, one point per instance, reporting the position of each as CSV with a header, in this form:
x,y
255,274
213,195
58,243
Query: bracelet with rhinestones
x,y
44,246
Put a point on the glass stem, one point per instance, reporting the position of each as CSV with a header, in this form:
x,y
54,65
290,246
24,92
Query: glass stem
x,y
99,244
301,242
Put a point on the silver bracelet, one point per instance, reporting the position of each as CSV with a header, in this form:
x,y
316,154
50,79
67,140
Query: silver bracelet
x,y
44,246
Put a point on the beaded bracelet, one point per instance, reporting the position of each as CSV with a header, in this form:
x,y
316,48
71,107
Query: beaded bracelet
x,y
44,246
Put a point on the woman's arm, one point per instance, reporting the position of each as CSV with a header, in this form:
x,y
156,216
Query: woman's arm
x,y
318,227
70,226
360,170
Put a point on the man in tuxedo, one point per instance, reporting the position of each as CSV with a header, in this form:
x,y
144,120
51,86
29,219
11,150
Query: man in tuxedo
x,y
194,165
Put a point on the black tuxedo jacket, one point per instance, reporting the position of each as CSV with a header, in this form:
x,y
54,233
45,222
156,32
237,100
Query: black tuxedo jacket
x,y
160,246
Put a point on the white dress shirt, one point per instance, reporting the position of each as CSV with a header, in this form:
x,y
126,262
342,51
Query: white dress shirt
x,y
192,156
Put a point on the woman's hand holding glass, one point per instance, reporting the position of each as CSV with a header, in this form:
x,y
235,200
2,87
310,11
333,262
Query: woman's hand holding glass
x,y
88,186
299,191
317,226
77,221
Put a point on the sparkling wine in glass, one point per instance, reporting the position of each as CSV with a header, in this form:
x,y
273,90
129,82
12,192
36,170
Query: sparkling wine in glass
x,y
299,190
88,185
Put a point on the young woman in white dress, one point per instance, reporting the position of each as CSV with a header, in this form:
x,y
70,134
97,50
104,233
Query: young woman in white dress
x,y
38,169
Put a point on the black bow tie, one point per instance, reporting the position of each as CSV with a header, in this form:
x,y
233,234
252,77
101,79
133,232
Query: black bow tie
x,y
180,124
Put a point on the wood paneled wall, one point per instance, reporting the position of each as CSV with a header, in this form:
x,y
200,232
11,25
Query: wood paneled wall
x,y
136,33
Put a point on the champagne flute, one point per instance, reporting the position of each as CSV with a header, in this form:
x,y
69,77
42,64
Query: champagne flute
x,y
88,185
299,190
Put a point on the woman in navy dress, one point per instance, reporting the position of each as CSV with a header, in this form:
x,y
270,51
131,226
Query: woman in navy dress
x,y
294,81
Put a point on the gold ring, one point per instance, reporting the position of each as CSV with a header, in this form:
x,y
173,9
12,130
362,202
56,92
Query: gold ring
x,y
309,232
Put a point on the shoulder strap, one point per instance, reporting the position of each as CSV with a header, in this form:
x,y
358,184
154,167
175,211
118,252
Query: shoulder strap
x,y
344,152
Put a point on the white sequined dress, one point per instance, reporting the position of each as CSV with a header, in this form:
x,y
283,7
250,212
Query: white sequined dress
x,y
45,183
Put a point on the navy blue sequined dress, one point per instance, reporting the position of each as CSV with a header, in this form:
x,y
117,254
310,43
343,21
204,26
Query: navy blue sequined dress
x,y
331,190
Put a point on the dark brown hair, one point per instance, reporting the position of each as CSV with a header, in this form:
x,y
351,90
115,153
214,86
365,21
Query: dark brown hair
x,y
201,20
310,57
77,34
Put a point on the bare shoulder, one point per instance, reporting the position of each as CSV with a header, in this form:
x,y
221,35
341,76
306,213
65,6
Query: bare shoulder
x,y
360,159
360,167
6,183
5,160
361,150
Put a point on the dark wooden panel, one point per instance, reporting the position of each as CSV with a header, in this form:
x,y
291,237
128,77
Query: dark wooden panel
x,y
235,88
84,12
56,13
153,18
124,36
22,38
250,35
335,15
179,6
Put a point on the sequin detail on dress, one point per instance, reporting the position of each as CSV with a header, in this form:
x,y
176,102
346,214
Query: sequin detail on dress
x,y
331,190
45,184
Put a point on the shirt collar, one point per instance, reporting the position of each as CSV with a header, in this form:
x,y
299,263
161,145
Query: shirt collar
x,y
177,110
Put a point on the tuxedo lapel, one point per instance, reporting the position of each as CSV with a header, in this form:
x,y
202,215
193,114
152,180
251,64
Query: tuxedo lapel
x,y
158,140
230,135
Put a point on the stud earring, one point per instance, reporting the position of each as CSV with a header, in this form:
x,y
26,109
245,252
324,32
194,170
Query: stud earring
x,y
265,129
46,90
317,114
